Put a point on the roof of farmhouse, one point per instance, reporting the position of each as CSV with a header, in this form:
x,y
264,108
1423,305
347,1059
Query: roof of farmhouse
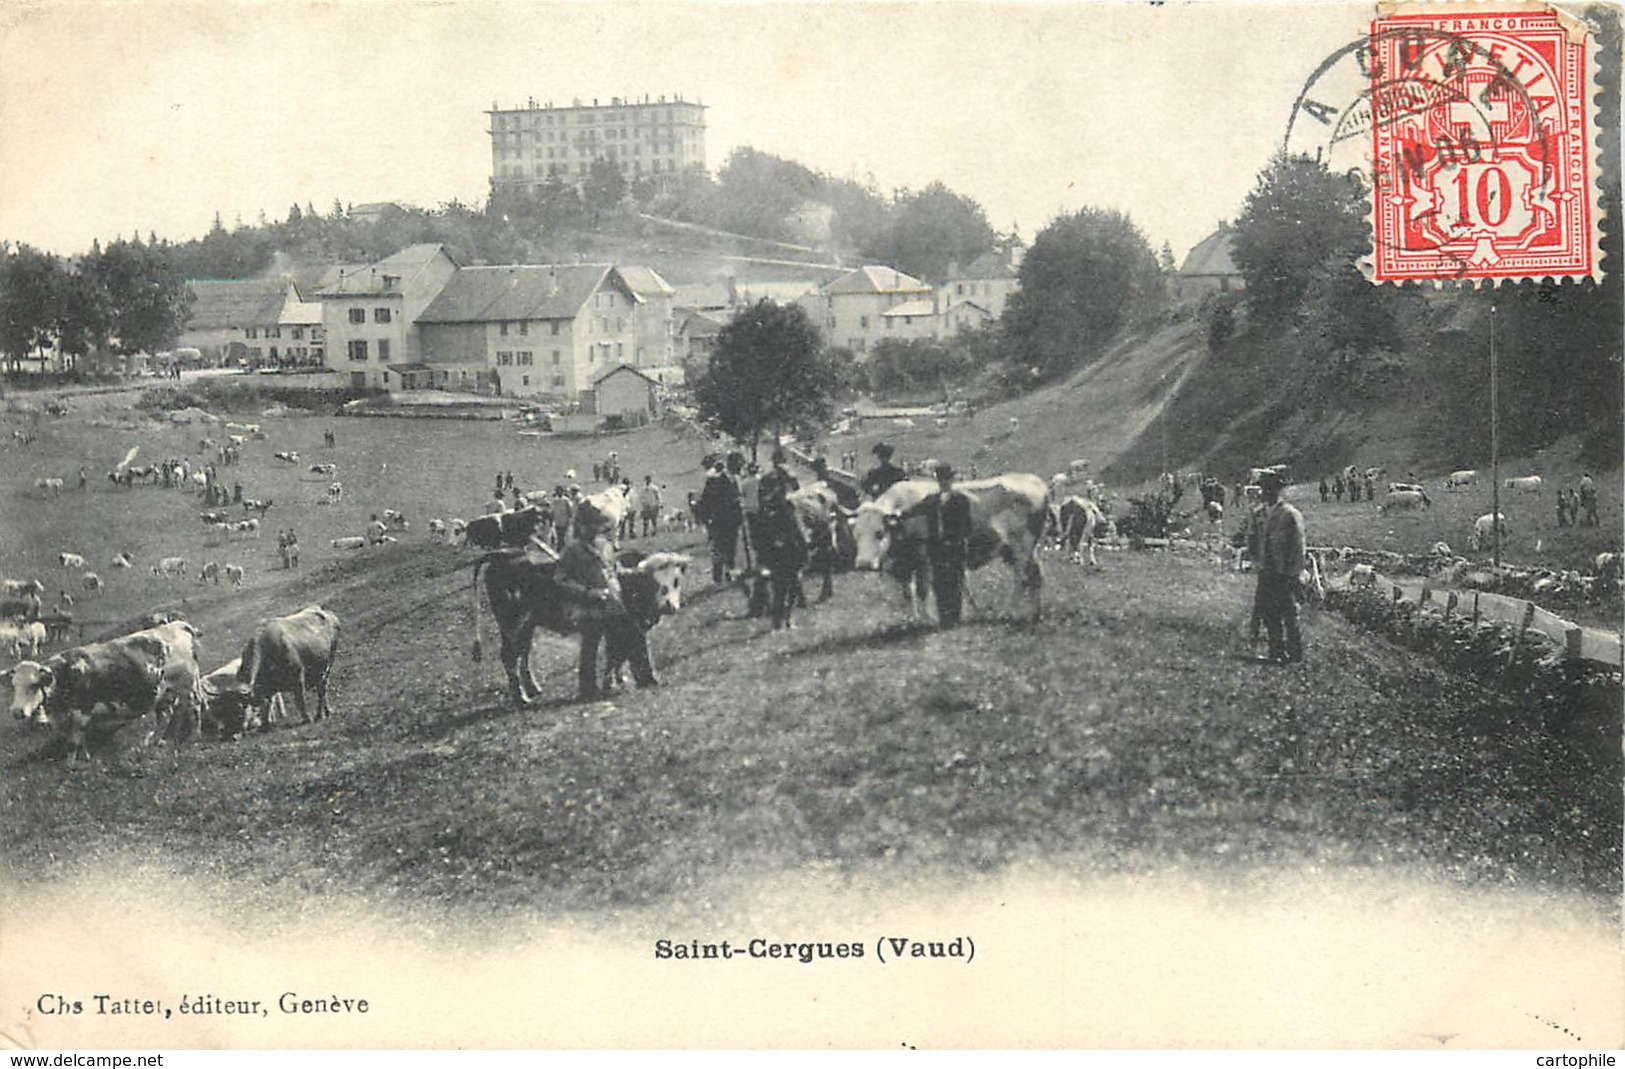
x,y
520,291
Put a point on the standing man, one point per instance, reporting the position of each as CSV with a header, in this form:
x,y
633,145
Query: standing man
x,y
882,476
778,484
948,520
783,552
588,579
750,502
649,506
719,504
1278,550
1588,499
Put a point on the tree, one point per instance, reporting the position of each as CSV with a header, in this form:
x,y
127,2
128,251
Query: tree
x,y
146,295
1301,222
769,371
1086,277
604,187
295,215
930,230
31,296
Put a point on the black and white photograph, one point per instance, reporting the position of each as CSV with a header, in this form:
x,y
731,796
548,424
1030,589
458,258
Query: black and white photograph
x,y
834,526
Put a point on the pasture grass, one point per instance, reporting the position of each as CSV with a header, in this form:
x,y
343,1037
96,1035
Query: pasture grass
x,y
1121,733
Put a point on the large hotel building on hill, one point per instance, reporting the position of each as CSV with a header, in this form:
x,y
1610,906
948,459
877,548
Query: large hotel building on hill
x,y
647,138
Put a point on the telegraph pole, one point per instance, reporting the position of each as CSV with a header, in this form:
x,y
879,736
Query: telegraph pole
x,y
1495,446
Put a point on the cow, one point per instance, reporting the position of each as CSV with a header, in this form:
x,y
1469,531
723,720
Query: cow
x,y
289,654
234,574
1403,501
1484,531
225,704
253,505
52,485
123,560
350,542
1524,484
818,510
520,587
173,567
1081,518
129,677
1363,576
437,527
328,469
335,492
249,528
210,573
91,582
1461,480
22,588
1008,513
395,520
214,517
510,529
290,457
1607,567
71,560
11,638
20,608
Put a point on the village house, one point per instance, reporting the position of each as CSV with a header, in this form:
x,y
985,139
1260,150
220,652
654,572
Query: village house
x,y
371,314
256,322
989,280
530,330
1210,267
850,309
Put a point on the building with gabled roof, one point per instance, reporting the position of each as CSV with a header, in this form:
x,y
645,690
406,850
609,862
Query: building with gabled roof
x,y
531,329
850,308
1210,267
656,325
255,322
371,313
990,280
627,395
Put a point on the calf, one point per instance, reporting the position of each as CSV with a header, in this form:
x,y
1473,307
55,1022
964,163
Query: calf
x,y
234,574
71,560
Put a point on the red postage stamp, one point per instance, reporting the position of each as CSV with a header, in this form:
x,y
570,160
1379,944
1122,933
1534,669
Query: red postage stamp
x,y
1483,146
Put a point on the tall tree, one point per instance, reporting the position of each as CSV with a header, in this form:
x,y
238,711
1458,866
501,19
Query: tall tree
x,y
146,294
930,230
31,285
769,372
1301,222
604,187
1086,277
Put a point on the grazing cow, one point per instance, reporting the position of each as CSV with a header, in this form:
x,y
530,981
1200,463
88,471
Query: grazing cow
x,y
328,469
214,518
123,560
1461,480
20,608
128,677
1525,484
173,567
252,505
456,531
31,637
1008,513
437,527
1081,520
210,573
1484,531
290,654
92,582
350,542
1417,487
395,520
71,560
225,704
1363,576
1404,501
1607,567
52,485
234,574
22,588
291,456
249,528
523,597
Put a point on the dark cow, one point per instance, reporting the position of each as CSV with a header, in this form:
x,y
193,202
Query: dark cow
x,y
508,529
829,537
524,596
126,677
289,654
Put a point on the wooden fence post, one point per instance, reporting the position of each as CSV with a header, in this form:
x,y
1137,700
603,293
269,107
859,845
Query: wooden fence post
x,y
1571,643
1517,638
1475,610
1450,604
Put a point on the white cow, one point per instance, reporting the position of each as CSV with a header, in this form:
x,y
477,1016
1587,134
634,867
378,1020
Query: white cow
x,y
173,567
52,486
1484,530
92,582
1524,484
71,560
1404,501
349,542
1461,480
234,574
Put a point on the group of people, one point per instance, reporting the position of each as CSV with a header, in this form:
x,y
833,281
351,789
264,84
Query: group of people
x,y
287,547
1572,502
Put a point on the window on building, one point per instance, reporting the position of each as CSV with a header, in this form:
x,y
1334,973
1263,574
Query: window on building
x,y
524,358
274,332
357,349
383,349
863,321
298,333
273,352
502,328
380,315
620,324
618,349
505,359
558,380
524,327
555,358
252,333
358,315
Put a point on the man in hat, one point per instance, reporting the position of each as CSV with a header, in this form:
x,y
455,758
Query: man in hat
x,y
947,516
587,577
719,504
1277,538
882,476
778,484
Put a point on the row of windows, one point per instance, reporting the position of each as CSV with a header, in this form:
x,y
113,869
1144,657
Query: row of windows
x,y
379,315
523,358
357,350
646,116
296,333
524,327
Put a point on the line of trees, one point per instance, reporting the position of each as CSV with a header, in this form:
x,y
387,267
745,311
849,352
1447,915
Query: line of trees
x,y
127,298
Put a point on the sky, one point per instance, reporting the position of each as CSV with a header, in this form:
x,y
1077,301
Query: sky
x,y
151,115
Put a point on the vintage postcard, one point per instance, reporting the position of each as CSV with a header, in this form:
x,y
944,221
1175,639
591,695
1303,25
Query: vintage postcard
x,y
803,525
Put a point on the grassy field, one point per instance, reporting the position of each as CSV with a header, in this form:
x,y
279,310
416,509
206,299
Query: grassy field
x,y
1121,733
